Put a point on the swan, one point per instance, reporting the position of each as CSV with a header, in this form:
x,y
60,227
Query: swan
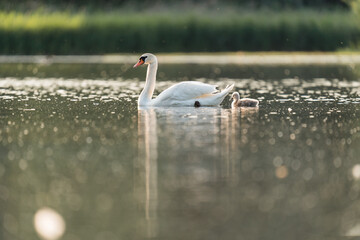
x,y
245,102
188,93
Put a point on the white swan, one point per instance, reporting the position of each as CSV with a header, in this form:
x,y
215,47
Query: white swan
x,y
244,102
187,93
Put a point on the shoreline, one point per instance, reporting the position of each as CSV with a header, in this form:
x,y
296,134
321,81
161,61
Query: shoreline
x,y
272,58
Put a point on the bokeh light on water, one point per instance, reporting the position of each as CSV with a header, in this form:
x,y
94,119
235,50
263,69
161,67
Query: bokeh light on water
x,y
49,224
82,150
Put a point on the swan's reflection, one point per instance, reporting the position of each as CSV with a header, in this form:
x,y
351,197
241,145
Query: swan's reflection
x,y
147,164
194,146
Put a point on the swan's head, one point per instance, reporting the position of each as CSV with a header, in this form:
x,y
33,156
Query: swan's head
x,y
235,96
146,58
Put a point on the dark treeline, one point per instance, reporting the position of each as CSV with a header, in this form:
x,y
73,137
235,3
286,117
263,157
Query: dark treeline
x,y
101,4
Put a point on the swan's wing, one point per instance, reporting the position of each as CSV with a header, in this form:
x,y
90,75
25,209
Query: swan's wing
x,y
185,91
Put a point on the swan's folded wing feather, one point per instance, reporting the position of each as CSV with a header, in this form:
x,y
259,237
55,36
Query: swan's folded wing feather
x,y
185,91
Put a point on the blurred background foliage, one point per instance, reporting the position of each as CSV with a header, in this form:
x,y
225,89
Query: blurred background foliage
x,y
138,4
124,26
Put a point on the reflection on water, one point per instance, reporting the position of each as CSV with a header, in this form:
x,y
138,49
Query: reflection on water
x,y
177,72
82,150
147,168
49,224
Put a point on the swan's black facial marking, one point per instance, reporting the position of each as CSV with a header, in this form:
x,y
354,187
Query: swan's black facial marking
x,y
140,62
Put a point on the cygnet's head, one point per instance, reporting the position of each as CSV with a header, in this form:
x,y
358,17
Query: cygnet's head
x,y
235,96
146,58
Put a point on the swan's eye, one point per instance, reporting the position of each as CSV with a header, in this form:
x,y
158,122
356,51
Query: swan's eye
x,y
142,58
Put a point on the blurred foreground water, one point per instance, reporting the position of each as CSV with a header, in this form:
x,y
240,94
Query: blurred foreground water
x,y
79,160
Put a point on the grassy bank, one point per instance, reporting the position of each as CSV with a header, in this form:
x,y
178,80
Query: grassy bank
x,y
97,33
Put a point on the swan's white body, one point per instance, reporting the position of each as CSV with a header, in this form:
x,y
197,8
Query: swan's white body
x,y
181,94
244,102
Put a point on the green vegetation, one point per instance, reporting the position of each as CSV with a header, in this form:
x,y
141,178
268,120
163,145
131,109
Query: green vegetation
x,y
98,33
25,5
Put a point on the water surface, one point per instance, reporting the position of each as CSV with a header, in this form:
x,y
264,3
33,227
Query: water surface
x,y
72,139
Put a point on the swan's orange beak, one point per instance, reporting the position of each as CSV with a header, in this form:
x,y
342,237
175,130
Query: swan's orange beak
x,y
140,62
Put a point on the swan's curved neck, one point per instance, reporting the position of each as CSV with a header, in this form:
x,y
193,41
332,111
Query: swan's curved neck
x,y
235,102
148,91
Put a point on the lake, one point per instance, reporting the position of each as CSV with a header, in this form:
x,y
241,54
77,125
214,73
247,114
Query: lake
x,y
79,160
